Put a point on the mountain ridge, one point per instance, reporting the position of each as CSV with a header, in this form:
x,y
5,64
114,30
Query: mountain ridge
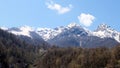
x,y
72,32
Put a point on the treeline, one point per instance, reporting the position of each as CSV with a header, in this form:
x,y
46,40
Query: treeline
x,y
102,57
15,53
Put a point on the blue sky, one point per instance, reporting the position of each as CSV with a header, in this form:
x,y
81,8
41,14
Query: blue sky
x,y
53,13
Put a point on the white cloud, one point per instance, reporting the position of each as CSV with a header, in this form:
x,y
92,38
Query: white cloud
x,y
57,7
86,19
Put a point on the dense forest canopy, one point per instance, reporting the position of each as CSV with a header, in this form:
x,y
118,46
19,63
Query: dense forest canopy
x,y
80,58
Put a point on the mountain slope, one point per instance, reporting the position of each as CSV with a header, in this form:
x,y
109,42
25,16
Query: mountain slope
x,y
28,34
14,52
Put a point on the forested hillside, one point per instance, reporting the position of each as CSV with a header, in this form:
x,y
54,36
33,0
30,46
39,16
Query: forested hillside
x,y
80,58
15,53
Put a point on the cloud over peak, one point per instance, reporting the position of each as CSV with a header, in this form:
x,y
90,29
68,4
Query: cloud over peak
x,y
57,7
86,19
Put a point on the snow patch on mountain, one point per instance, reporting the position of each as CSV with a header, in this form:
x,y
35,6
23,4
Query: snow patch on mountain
x,y
25,30
73,25
4,28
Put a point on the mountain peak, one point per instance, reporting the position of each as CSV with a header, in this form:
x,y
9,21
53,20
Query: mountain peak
x,y
102,27
73,25
26,28
104,31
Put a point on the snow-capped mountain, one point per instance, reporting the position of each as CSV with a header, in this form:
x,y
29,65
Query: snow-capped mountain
x,y
48,33
74,35
27,34
104,31
25,31
70,35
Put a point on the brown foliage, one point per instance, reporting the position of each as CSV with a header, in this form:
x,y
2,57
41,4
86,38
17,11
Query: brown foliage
x,y
81,58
